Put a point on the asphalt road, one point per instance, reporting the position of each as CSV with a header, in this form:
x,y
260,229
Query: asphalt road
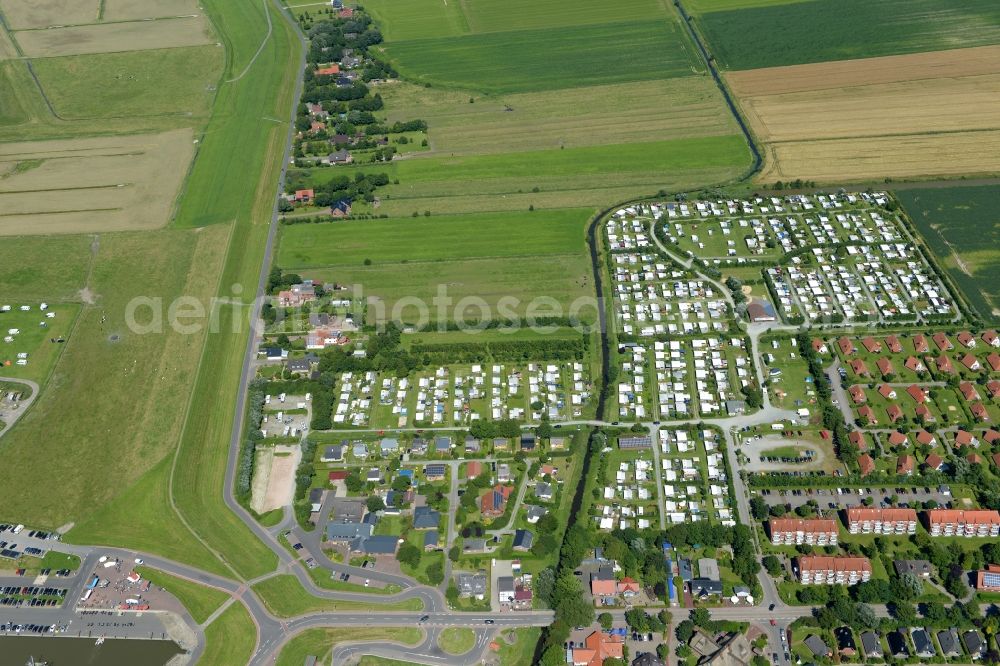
x,y
9,419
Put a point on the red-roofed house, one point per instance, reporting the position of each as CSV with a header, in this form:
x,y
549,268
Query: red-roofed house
x,y
894,412
968,391
865,464
918,394
914,364
905,465
994,361
956,522
923,413
859,368
597,647
867,414
829,570
974,459
971,362
897,438
991,436
920,344
993,386
473,469
926,439
857,438
628,587
942,342
857,394
494,502
871,344
328,70
991,338
887,391
303,196
944,364
966,339
846,346
996,459
338,475
892,342
979,412
964,438
934,462
819,346
884,366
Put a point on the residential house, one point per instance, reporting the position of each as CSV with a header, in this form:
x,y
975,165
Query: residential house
x,y
920,345
523,540
892,342
505,589
845,641
597,647
905,465
494,502
971,362
798,531
871,645
988,579
974,645
471,585
922,643
871,344
297,295
872,520
966,339
942,342
914,364
316,496
633,442
434,472
865,464
847,347
543,491
934,462
991,338
830,570
817,646
377,544
918,394
948,640
425,518
957,522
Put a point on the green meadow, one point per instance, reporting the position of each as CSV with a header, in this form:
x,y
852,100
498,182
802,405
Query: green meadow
x,y
159,82
28,271
823,30
548,59
417,19
962,227
443,238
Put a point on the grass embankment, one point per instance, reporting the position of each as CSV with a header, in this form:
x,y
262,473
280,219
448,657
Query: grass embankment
x,y
285,597
199,600
230,639
319,642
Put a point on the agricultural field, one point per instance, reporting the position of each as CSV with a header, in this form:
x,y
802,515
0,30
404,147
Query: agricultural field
x,y
159,82
960,225
434,239
95,184
670,108
769,34
112,37
134,10
20,14
877,118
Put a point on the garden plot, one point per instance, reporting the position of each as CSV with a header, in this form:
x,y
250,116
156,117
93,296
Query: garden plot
x,y
629,497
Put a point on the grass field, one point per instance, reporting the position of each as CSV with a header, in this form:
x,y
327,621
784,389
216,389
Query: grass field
x,y
28,272
114,37
457,640
230,640
33,339
962,227
440,238
319,642
200,601
138,83
675,108
877,118
285,597
26,14
11,110
822,30
549,59
570,178
703,6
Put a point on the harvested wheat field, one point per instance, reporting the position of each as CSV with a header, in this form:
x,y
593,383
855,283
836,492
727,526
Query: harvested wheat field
x,y
878,117
43,13
90,185
112,37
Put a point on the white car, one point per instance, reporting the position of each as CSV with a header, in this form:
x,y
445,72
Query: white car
x,y
138,560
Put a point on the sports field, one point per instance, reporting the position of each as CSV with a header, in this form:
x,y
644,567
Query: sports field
x,y
877,118
425,239
821,30
108,183
962,227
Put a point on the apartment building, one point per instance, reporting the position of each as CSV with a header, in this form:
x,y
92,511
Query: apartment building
x,y
956,522
870,520
798,531
828,570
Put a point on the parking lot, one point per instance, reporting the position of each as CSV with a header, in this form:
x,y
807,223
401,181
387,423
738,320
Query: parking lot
x,y
837,498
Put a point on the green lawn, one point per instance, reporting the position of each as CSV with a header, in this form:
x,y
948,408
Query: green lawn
x,y
823,30
230,640
439,238
962,227
163,82
319,642
550,58
285,597
518,646
51,560
200,601
37,268
457,640
36,338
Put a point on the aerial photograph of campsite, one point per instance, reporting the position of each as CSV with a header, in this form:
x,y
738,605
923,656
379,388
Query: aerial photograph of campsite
x,y
499,332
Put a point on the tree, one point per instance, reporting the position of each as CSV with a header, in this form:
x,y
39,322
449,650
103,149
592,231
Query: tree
x,y
543,585
773,565
758,507
375,503
637,620
702,618
435,573
865,616
408,554
684,631
606,620
904,612
909,586
454,553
